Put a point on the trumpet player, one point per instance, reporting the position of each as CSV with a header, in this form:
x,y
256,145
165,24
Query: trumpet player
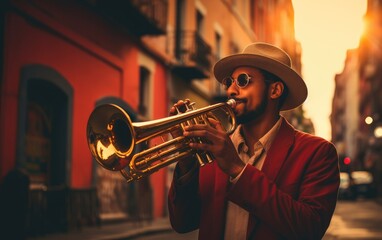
x,y
268,180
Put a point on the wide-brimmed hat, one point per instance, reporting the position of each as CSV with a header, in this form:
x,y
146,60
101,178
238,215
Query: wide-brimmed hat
x,y
272,59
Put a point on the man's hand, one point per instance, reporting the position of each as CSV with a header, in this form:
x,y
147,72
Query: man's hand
x,y
178,108
185,165
218,143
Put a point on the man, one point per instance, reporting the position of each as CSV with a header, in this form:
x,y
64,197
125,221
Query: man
x,y
268,180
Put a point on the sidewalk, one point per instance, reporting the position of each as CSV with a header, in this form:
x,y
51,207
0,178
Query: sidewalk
x,y
360,219
113,231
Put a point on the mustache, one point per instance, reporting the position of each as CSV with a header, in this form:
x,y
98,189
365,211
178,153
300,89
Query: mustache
x,y
240,100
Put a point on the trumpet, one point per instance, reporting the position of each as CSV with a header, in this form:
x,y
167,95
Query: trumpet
x,y
113,139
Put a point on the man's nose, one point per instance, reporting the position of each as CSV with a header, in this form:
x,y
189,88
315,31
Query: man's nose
x,y
232,90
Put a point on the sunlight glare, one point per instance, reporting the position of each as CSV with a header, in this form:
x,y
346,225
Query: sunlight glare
x,y
326,29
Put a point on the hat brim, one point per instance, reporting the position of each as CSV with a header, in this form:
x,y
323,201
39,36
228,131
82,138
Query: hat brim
x,y
298,91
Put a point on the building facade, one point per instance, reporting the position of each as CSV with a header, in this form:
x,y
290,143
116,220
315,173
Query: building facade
x,y
274,23
357,109
370,89
345,117
61,59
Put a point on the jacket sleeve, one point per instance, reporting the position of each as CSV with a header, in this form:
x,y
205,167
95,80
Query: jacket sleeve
x,y
301,209
184,202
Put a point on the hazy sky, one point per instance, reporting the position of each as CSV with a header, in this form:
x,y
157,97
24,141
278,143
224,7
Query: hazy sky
x,y
325,29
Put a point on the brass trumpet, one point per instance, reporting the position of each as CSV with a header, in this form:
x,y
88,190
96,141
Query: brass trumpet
x,y
113,138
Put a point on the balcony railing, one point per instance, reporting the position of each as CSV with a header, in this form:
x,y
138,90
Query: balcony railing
x,y
155,12
140,17
193,55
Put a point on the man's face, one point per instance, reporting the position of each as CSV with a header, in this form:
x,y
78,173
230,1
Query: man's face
x,y
251,99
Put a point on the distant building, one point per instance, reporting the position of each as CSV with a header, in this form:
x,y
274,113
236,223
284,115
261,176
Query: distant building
x,y
274,23
345,117
370,106
357,103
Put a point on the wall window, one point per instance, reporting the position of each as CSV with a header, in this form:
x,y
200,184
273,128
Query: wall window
x,y
218,43
199,23
144,92
218,39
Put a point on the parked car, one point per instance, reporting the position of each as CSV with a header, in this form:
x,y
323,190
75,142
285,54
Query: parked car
x,y
356,184
345,190
363,184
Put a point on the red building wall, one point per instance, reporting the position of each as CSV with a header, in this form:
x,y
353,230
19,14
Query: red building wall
x,y
89,76
94,72
158,180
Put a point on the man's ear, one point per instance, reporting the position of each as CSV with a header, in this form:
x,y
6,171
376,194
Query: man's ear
x,y
277,89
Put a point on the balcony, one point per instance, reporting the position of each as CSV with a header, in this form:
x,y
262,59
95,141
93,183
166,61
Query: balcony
x,y
140,17
193,56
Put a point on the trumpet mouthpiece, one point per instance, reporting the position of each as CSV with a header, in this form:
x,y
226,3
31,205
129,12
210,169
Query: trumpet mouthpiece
x,y
232,103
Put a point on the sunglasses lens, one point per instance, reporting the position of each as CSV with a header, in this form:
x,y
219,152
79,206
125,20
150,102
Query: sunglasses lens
x,y
227,82
242,80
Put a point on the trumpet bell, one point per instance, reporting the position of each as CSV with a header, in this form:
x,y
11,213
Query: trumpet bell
x,y
110,136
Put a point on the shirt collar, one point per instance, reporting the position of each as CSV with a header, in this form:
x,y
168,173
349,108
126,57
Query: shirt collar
x,y
268,138
265,141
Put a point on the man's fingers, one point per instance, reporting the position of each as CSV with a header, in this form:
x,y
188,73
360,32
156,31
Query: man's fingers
x,y
196,127
216,124
198,133
200,146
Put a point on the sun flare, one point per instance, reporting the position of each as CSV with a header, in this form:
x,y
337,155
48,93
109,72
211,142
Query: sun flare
x,y
326,29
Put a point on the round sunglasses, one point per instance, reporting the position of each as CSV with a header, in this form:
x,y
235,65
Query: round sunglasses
x,y
241,81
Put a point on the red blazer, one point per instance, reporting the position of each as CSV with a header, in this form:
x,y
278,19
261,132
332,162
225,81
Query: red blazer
x,y
292,197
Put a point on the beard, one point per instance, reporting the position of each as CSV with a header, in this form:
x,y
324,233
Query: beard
x,y
254,114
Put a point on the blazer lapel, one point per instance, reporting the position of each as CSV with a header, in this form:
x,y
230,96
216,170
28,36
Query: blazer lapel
x,y
279,150
274,160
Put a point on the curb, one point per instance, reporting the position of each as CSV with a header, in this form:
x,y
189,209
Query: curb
x,y
138,232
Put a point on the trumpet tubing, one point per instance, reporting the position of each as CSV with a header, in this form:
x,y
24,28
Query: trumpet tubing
x,y
113,139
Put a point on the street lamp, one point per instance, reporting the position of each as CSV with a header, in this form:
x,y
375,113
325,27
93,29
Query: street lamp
x,y
378,132
369,120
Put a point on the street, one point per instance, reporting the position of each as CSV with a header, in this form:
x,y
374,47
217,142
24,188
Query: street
x,y
169,235
360,219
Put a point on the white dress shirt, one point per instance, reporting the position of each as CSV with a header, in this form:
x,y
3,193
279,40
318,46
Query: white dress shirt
x,y
237,217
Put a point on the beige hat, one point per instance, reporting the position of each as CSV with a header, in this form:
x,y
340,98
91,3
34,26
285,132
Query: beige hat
x,y
271,59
